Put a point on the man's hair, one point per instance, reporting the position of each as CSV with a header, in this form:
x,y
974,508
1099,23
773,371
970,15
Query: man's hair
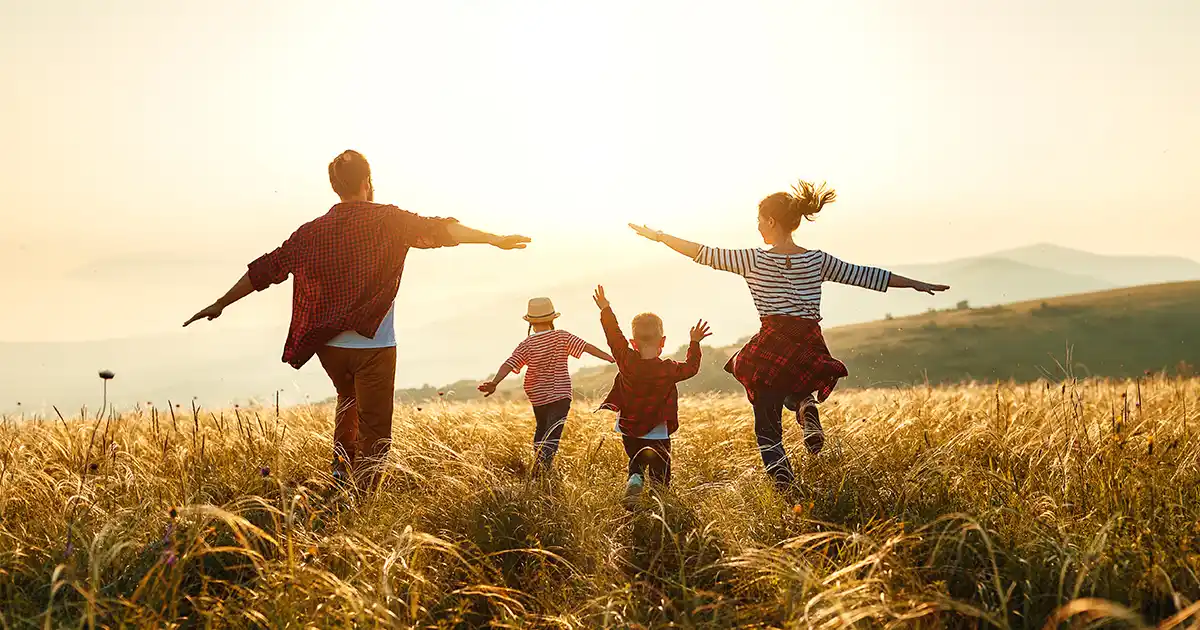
x,y
648,327
347,172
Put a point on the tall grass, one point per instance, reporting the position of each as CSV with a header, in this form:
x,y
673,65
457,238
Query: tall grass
x,y
970,506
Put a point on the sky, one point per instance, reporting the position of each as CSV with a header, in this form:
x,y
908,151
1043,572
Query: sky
x,y
152,148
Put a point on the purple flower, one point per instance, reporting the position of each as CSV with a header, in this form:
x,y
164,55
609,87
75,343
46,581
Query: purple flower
x,y
169,557
265,471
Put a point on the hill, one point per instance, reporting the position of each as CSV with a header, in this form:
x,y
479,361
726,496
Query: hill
x,y
1117,333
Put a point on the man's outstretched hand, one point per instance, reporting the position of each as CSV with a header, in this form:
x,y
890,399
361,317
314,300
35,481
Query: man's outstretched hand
x,y
601,300
700,331
512,241
487,389
210,313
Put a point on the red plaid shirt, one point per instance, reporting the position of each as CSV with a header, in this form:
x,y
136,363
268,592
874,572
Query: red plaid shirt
x,y
644,391
789,356
346,266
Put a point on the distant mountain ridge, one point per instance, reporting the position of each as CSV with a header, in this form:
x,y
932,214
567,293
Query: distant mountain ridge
x,y
1118,333
220,364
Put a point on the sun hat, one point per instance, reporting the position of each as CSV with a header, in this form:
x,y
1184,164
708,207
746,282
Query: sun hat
x,y
541,310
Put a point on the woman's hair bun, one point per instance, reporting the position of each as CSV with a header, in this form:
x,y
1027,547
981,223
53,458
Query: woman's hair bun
x,y
808,199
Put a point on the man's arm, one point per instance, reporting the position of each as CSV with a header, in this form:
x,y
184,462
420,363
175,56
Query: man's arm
x,y
268,269
464,235
239,290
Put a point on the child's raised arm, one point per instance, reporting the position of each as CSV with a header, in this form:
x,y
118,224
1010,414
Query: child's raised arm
x,y
691,367
612,330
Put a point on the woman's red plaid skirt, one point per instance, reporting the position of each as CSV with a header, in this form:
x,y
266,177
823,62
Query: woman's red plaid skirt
x,y
788,355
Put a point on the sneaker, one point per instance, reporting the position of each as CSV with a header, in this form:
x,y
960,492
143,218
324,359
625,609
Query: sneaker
x,y
810,421
633,491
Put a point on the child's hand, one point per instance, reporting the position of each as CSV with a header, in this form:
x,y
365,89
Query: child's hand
x,y
601,300
487,388
700,331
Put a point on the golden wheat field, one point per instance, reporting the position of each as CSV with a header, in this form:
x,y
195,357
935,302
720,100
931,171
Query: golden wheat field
x,y
971,506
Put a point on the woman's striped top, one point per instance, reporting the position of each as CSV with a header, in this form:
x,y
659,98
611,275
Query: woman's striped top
x,y
546,354
790,284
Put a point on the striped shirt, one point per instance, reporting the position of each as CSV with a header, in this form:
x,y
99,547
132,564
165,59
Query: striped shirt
x,y
545,353
790,284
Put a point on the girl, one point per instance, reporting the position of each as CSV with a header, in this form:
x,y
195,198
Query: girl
x,y
547,383
787,363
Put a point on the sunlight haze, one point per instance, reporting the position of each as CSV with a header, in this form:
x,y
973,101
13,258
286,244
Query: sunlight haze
x,y
152,149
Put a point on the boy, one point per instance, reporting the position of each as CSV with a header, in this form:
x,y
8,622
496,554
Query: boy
x,y
644,393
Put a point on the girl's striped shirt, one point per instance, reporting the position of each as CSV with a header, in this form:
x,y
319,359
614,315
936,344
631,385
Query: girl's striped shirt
x,y
547,379
790,284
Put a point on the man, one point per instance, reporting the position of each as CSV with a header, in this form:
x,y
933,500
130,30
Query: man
x,y
346,267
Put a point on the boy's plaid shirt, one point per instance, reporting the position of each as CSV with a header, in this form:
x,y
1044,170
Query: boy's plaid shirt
x,y
644,392
346,267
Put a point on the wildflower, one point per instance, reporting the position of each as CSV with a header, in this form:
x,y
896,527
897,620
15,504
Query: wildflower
x,y
107,375
419,409
93,467
799,509
441,393
169,557
69,550
1150,445
265,471
173,513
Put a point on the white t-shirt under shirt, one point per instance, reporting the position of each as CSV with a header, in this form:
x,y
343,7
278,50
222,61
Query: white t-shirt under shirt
x,y
657,433
385,336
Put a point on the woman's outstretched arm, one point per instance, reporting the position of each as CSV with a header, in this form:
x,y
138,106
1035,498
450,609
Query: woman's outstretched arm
x,y
687,248
898,281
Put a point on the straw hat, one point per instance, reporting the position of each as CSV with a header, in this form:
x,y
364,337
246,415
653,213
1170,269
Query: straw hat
x,y
541,310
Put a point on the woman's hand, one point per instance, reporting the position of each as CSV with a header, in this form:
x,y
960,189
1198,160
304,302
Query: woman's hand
x,y
487,388
925,287
645,232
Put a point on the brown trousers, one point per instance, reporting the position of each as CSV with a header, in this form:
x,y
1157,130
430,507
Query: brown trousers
x,y
365,379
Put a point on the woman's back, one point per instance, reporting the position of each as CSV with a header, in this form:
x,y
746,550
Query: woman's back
x,y
790,284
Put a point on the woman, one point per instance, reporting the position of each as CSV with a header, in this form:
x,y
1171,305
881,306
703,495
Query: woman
x,y
787,364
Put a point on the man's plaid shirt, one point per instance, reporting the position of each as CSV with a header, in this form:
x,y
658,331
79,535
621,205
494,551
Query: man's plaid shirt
x,y
346,267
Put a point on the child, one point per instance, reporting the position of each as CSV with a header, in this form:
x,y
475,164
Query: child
x,y
644,393
547,383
